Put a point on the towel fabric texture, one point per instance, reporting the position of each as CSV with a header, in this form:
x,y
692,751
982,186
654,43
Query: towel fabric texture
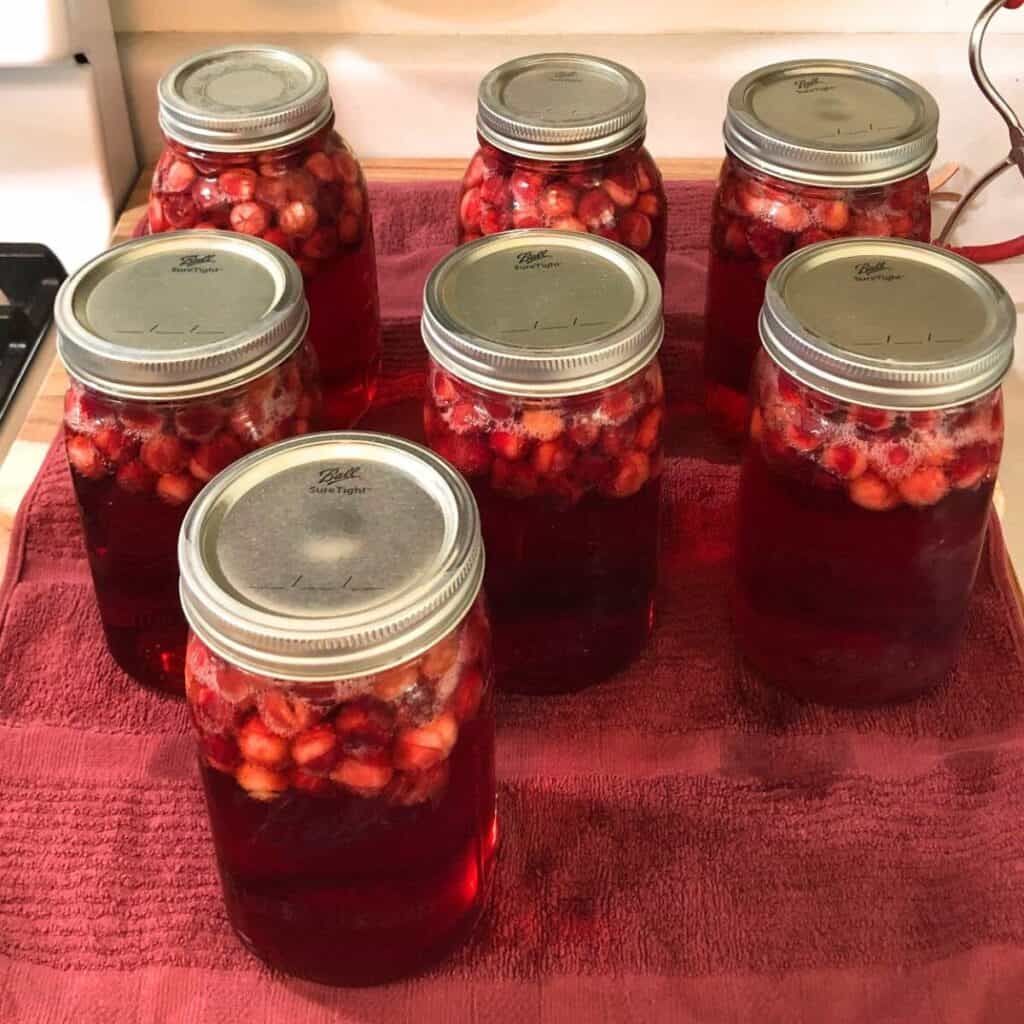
x,y
679,844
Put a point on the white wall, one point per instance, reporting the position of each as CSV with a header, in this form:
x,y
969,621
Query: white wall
x,y
487,17
400,97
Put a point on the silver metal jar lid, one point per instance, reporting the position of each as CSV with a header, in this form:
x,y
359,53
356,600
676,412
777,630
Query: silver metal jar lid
x,y
180,314
561,106
541,312
235,99
832,123
330,556
888,323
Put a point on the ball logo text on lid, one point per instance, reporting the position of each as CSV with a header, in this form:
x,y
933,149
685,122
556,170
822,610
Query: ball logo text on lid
x,y
203,263
534,258
813,84
346,481
876,270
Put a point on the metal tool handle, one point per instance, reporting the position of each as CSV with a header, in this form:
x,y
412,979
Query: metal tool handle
x,y
1012,247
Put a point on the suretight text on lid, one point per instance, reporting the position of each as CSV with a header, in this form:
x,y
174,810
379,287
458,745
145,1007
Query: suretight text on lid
x,y
561,106
542,312
175,315
330,556
888,323
244,97
832,123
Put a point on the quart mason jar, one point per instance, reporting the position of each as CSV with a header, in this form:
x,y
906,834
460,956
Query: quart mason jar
x,y
815,150
185,351
251,147
866,490
545,391
339,679
562,146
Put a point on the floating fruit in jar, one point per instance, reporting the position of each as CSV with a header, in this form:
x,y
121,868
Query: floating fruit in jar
x,y
562,146
250,147
339,682
545,391
815,150
185,352
866,491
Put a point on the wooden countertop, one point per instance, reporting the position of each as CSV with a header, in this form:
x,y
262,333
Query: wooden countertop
x,y
39,426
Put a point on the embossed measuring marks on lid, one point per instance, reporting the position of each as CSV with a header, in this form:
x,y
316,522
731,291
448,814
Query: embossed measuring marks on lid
x,y
890,323
561,106
832,123
330,556
238,98
179,314
542,313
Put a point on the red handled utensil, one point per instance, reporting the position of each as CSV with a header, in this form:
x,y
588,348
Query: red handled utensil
x,y
1013,246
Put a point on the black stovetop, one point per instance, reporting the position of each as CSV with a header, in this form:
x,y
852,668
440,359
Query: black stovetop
x,y
29,278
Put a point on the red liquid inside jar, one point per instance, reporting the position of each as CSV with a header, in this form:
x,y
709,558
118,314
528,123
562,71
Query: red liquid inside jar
x,y
757,221
310,200
861,531
568,491
619,197
136,466
354,822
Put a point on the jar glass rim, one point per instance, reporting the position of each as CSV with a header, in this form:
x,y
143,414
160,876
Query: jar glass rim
x,y
180,314
541,312
353,592
561,107
832,123
889,323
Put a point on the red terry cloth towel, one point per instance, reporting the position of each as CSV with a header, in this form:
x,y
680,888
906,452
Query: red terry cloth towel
x,y
680,844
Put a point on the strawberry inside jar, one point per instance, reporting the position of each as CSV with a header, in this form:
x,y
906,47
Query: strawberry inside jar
x,y
815,150
561,146
251,148
185,353
545,391
875,439
343,705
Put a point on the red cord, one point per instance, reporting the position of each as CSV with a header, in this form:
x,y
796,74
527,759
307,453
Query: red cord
x,y
995,251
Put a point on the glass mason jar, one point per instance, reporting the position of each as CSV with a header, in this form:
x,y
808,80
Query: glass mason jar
x,y
251,147
339,679
865,495
562,146
545,391
185,352
815,150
